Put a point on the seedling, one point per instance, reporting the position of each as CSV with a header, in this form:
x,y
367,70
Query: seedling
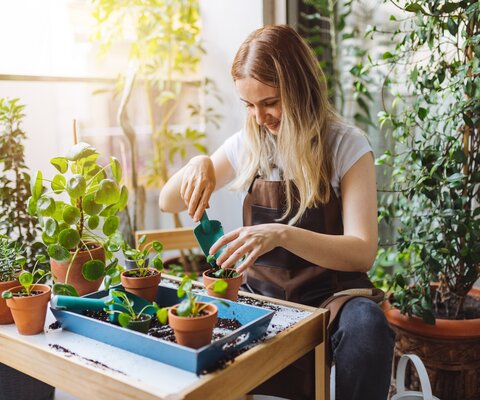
x,y
129,314
220,272
27,278
191,306
141,256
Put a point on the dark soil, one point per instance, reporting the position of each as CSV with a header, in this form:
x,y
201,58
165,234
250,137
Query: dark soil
x,y
69,353
138,274
55,325
23,294
226,274
164,332
258,303
471,310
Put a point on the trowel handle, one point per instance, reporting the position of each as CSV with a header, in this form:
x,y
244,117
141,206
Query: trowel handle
x,y
76,303
206,225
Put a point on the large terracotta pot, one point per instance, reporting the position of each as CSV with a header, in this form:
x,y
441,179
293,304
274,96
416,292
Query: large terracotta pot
x,y
75,277
29,312
194,332
450,350
5,313
145,287
232,289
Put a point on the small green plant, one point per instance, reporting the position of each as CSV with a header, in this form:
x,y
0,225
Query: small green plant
x,y
141,257
93,202
12,259
190,306
221,272
129,314
29,279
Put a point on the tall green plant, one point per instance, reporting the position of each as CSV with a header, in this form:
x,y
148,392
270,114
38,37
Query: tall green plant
x,y
435,121
165,47
15,221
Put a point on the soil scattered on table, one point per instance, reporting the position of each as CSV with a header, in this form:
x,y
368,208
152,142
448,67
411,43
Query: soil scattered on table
x,y
69,353
55,325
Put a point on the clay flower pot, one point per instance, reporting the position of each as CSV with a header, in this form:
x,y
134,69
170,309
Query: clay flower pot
x,y
29,312
5,313
194,332
233,285
75,277
143,286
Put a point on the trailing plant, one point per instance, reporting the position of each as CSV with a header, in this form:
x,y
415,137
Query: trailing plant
x,y
93,202
141,257
190,306
12,259
435,122
15,221
29,279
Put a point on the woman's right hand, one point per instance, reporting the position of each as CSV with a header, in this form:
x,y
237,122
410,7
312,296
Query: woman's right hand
x,y
198,183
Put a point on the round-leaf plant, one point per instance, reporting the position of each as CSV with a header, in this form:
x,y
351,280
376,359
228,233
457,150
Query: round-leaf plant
x,y
78,208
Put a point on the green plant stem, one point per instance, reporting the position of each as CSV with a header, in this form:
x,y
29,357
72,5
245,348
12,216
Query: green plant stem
x,y
70,265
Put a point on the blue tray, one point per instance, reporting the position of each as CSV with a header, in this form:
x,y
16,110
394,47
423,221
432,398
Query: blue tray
x,y
254,320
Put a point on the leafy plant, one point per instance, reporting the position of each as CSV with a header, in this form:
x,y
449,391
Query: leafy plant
x,y
15,221
12,259
27,279
435,167
129,314
165,47
93,202
221,272
190,306
141,257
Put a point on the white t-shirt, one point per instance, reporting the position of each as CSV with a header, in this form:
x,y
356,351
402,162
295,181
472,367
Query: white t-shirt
x,y
347,142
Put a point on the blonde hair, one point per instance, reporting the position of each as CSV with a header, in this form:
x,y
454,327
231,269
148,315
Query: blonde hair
x,y
277,56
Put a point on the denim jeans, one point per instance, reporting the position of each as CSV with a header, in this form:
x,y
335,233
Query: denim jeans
x,y
361,345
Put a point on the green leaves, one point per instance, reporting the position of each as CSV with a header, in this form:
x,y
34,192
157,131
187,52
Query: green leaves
x,y
71,215
36,185
45,206
116,169
107,193
93,270
79,151
69,238
60,163
58,252
111,225
76,186
90,206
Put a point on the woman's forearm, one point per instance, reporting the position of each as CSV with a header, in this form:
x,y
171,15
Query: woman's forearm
x,y
170,199
338,252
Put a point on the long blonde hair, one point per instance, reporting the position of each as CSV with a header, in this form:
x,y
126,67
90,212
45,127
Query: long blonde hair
x,y
277,56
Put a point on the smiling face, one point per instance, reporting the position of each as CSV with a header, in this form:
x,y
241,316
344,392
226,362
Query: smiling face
x,y
262,102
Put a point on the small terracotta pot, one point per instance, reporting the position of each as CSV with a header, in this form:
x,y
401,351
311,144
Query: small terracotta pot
x,y
5,313
194,332
232,290
75,277
29,312
145,287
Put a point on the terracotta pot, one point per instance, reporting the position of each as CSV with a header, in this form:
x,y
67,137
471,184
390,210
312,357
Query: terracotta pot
x,y
5,313
29,312
145,287
450,350
194,332
75,277
232,290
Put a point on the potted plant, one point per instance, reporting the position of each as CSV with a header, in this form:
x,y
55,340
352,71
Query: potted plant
x,y
231,276
435,125
76,248
11,263
143,280
28,302
128,318
191,320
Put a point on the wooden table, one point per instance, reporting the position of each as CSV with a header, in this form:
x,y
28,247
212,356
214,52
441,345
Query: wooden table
x,y
94,370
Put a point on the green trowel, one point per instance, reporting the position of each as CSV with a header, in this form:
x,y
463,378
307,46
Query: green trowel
x,y
60,302
207,233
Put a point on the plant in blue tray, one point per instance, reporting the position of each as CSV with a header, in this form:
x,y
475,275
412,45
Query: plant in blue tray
x,y
128,318
192,320
78,215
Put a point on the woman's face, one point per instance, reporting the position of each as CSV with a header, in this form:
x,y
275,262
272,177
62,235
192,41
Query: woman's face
x,y
262,102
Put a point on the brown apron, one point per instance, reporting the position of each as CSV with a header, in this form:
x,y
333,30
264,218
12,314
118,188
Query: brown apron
x,y
283,275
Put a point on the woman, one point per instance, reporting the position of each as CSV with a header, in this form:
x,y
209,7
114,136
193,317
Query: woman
x,y
310,210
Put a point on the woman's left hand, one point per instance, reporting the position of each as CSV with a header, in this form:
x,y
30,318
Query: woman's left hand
x,y
249,241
